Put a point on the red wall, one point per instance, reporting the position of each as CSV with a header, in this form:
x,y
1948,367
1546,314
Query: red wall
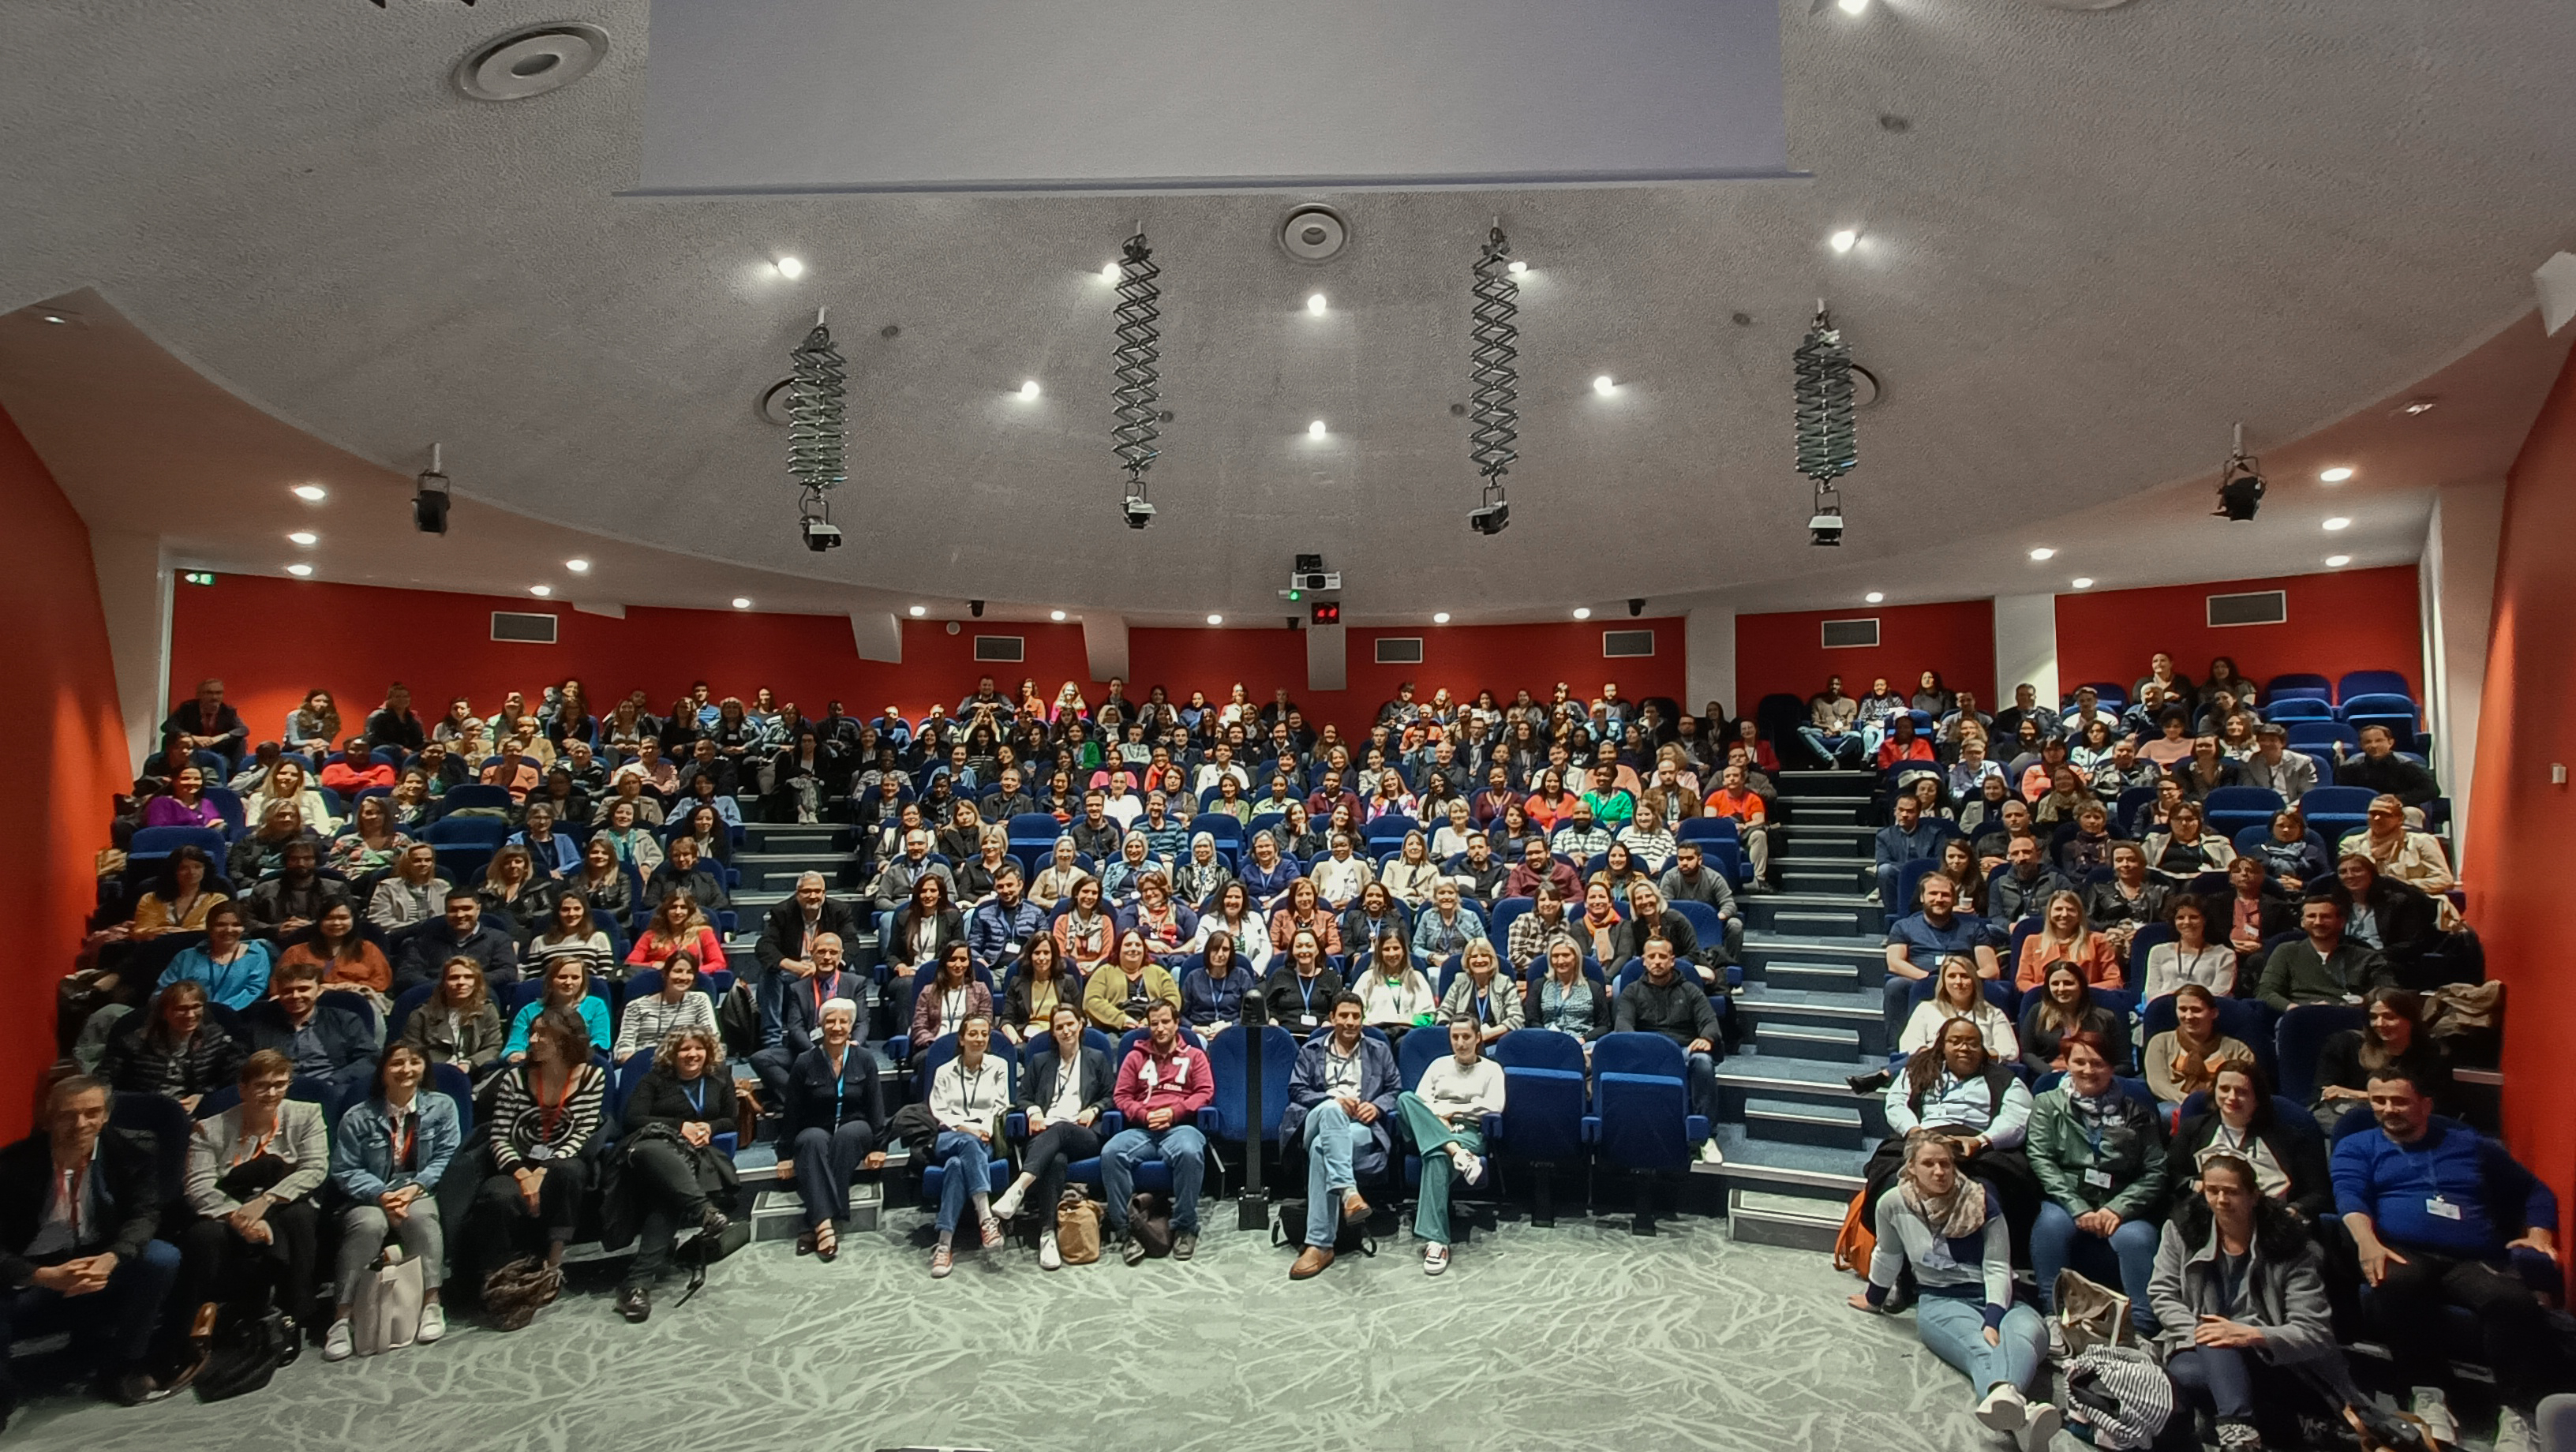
x,y
352,639
67,740
2343,620
2522,831
1785,653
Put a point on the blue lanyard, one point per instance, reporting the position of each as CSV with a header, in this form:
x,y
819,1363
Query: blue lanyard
x,y
696,1089
1483,1007
1306,990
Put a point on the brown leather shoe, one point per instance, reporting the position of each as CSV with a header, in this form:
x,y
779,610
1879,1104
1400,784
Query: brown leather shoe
x,y
1353,1207
1310,1264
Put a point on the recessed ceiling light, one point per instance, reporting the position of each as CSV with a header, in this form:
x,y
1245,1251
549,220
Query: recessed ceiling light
x,y
299,569
1844,240
1055,615
541,591
791,268
1316,304
2337,474
2338,522
311,493
57,319
1604,384
918,611
2043,553
1216,620
530,62
1517,267
305,537
1029,389
2415,406
2338,561
1851,7
1582,612
742,602
1874,597
2082,582
1440,617
1316,429
1111,274
578,567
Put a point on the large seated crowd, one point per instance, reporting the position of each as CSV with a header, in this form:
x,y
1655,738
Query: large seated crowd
x,y
459,988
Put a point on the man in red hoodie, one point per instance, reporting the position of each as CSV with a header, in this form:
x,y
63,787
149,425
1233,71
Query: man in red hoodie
x,y
1161,1086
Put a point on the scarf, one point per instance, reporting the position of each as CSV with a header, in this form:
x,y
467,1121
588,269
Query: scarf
x,y
1954,1216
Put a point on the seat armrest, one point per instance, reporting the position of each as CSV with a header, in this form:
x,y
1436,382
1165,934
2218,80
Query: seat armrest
x,y
1592,1129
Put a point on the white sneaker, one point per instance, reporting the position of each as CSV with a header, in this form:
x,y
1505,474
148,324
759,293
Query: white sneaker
x,y
1049,1258
433,1324
340,1343
1471,1168
2004,1409
1710,1154
1009,1205
2040,1427
2435,1411
1435,1259
2514,1432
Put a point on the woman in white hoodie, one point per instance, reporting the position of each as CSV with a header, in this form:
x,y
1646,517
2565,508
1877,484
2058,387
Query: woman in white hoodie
x,y
1445,1114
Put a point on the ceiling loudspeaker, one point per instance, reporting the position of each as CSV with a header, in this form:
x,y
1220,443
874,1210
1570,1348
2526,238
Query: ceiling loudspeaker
x,y
530,62
1314,233
2556,280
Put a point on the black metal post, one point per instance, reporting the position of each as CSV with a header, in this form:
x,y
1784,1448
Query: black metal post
x,y
1252,1209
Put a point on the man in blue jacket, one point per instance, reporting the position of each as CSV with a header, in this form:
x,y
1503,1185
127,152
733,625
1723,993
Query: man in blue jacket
x,y
1001,925
1341,1100
2436,1211
1902,841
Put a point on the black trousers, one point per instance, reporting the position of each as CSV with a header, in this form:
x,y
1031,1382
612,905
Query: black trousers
x,y
2519,1347
216,1264
673,1189
501,1228
1049,1155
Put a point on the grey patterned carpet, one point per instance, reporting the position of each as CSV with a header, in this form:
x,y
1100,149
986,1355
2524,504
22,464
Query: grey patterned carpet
x,y
1580,1335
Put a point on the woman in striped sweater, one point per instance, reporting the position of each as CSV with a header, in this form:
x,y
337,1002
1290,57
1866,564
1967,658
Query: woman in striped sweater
x,y
543,1137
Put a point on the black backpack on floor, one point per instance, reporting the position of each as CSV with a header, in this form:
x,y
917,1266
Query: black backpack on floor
x,y
1351,1238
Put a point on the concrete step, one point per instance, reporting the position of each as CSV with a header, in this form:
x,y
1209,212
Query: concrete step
x,y
1829,839
1810,959
1824,812
1770,1003
1811,1180
1827,1126
1766,1217
1813,915
1835,1043
1806,785
791,837
1817,875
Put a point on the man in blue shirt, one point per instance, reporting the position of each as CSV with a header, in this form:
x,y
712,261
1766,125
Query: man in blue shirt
x,y
1917,946
2431,1204
1901,842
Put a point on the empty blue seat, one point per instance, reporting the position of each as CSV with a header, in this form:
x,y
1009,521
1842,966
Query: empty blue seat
x,y
2335,810
2297,708
2298,685
1641,1120
2300,1037
150,842
2372,683
465,832
2326,734
1227,1116
2229,809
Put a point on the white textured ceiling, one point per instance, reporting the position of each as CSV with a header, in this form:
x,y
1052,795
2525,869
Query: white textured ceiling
x,y
2097,240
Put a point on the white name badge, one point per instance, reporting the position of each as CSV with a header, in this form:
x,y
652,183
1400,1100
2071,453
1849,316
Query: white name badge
x,y
2098,1179
1306,1019
541,1153
2437,1206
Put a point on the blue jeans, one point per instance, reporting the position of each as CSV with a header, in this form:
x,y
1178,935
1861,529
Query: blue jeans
x,y
1182,1147
1954,1328
969,1164
1701,1072
1332,1138
2056,1243
1891,876
1843,748
111,1328
1899,1004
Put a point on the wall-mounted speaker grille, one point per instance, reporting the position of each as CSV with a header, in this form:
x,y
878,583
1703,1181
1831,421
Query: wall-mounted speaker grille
x,y
1399,650
1850,634
1001,647
1627,642
525,628
2259,607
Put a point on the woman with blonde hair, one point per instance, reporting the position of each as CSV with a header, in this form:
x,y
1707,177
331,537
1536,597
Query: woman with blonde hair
x,y
1959,993
2064,937
676,1176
